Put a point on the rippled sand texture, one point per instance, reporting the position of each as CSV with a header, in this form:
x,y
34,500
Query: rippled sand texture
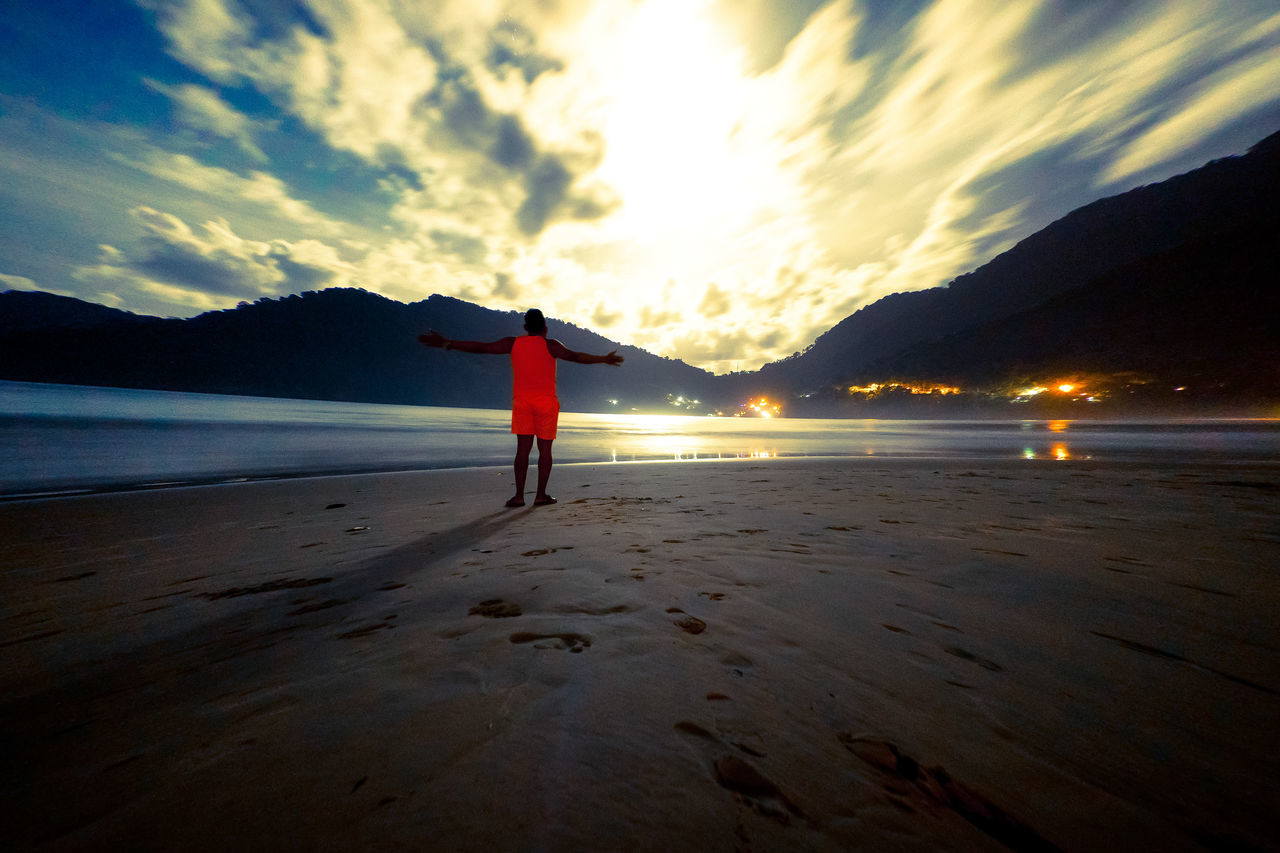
x,y
779,655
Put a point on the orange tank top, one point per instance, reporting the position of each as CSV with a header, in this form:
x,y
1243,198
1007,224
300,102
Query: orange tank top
x,y
533,367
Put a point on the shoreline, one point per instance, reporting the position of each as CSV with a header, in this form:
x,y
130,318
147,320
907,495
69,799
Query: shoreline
x,y
1131,459
65,443
794,653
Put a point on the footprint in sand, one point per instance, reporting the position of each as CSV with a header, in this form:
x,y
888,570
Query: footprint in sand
x,y
737,664
595,611
688,728
912,786
750,787
691,625
541,552
70,578
965,654
637,574
495,608
269,586
315,607
573,642
366,630
755,789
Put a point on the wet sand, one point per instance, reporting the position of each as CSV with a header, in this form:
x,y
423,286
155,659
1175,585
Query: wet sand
x,y
766,655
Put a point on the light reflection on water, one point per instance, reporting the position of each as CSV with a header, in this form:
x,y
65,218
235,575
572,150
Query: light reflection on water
x,y
59,437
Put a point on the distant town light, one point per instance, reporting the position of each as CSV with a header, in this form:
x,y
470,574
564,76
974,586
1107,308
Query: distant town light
x,y
910,388
761,407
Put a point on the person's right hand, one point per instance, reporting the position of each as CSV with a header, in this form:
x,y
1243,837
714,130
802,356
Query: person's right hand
x,y
432,338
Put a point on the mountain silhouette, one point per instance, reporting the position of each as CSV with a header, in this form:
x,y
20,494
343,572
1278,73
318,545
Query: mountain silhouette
x,y
35,311
336,344
1120,259
1204,313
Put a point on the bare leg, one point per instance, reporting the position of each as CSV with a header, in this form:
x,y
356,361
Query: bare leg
x,y
544,472
524,443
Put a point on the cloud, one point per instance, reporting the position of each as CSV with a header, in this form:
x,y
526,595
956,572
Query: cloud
x,y
203,34
353,73
513,146
468,248
546,184
652,318
201,109
259,188
715,302
1216,101
514,46
603,318
17,282
690,161
213,266
723,350
504,287
766,27
969,97
610,160
370,84
546,178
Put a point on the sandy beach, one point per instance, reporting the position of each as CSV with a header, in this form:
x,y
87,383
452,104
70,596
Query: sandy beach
x,y
796,654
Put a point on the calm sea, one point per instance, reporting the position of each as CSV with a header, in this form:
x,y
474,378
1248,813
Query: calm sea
x,y
66,438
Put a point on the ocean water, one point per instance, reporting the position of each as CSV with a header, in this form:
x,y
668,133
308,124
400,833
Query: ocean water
x,y
66,438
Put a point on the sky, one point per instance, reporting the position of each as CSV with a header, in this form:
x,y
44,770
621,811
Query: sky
x,y
719,181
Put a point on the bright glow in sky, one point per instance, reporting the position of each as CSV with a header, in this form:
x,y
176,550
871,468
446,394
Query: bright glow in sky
x,y
714,180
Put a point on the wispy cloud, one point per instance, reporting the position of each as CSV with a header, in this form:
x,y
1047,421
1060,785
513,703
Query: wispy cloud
x,y
17,282
256,188
200,109
205,268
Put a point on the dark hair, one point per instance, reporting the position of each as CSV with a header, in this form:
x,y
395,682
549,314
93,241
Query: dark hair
x,y
534,322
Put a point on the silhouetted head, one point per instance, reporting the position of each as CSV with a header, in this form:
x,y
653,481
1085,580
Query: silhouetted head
x,y
534,322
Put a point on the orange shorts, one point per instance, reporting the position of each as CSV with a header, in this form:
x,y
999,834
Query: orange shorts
x,y
535,415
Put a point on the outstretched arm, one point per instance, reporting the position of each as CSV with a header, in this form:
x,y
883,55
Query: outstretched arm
x,y
435,339
559,350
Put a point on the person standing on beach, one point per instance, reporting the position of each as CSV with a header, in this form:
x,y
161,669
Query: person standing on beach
x,y
535,409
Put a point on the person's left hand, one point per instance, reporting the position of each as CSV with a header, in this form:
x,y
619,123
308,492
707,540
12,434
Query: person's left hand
x,y
613,358
432,338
